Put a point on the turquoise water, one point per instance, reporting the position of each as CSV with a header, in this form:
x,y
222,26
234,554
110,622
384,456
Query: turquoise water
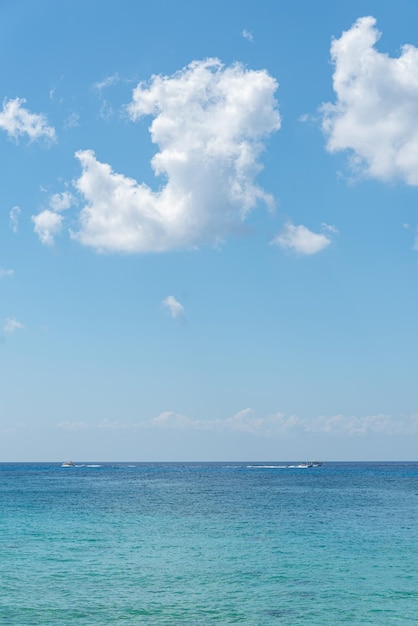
x,y
201,544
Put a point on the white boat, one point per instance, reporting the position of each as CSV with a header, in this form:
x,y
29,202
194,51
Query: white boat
x,y
68,464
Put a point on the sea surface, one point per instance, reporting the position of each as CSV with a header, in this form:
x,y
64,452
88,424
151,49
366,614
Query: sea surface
x,y
257,544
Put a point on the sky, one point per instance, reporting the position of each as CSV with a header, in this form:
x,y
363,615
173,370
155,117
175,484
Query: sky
x,y
208,230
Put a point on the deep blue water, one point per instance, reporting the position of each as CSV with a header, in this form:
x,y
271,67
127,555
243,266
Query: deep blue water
x,y
210,543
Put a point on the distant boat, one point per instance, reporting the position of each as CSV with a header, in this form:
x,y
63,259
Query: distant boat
x,y
68,464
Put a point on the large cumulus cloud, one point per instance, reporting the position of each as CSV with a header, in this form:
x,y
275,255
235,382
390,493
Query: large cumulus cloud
x,y
210,123
375,115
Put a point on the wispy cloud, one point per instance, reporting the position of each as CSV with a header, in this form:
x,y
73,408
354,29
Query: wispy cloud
x,y
210,123
106,109
109,81
375,115
6,273
73,426
173,306
72,121
301,240
248,36
16,120
14,427
14,218
246,422
11,325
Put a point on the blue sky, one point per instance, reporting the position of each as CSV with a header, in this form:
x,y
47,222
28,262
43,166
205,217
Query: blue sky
x,y
208,230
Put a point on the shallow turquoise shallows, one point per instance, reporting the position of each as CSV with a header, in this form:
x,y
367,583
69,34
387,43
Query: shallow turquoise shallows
x,y
200,544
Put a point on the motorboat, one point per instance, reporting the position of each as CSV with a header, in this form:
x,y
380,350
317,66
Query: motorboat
x,y
68,464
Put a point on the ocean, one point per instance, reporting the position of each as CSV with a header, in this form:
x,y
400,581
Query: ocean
x,y
191,544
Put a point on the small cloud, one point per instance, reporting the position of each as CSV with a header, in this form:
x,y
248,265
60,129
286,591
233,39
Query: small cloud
x,y
330,228
174,307
4,273
305,117
14,218
61,201
47,225
72,121
300,239
248,36
116,425
18,121
106,111
172,420
11,325
107,82
73,426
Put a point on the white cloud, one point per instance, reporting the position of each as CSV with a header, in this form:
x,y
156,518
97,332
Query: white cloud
x,y
47,225
73,426
169,419
375,115
248,36
106,110
173,306
330,228
301,240
107,82
244,421
4,273
72,121
14,218
274,425
362,426
210,123
11,325
278,424
17,121
61,201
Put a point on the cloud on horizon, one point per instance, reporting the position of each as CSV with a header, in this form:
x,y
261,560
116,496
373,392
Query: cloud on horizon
x,y
292,425
375,115
276,424
210,123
